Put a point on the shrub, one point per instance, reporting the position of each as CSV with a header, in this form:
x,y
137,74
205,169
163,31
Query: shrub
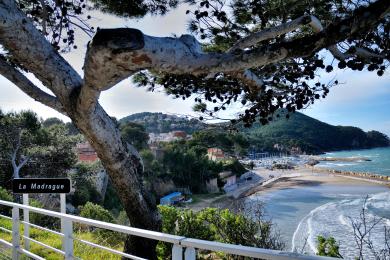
x,y
5,195
97,212
328,247
218,225
42,220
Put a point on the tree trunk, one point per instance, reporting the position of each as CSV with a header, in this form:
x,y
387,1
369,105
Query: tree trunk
x,y
124,166
27,46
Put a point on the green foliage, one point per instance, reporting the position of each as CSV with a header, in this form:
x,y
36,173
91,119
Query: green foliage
x,y
52,121
231,143
54,152
134,8
186,167
97,212
123,219
42,220
328,247
5,195
218,225
49,149
83,184
312,136
162,123
235,167
81,250
134,134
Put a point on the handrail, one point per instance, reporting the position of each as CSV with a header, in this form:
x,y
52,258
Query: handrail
x,y
100,224
109,249
42,228
179,242
246,250
44,245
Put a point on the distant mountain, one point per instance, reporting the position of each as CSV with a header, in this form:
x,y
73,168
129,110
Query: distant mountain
x,y
313,136
309,134
163,123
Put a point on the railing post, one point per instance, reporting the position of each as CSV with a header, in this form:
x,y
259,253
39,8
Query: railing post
x,y
190,253
15,233
177,252
63,210
67,241
26,218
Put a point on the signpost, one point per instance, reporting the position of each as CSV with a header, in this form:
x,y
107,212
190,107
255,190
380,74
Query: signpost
x,y
27,186
41,185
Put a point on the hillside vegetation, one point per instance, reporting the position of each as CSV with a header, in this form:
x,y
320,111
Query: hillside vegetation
x,y
163,123
313,136
309,134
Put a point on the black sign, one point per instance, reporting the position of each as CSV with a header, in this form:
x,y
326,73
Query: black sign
x,y
41,186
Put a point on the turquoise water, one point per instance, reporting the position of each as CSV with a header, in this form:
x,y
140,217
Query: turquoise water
x,y
302,213
379,164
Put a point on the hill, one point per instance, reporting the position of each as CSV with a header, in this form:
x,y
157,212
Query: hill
x,y
313,136
309,134
163,123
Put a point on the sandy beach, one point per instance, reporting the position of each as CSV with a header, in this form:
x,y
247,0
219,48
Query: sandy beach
x,y
304,176
273,180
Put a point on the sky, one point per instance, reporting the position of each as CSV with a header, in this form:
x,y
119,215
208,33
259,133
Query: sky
x,y
362,100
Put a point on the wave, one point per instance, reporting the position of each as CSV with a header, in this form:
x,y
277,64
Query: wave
x,y
330,164
335,219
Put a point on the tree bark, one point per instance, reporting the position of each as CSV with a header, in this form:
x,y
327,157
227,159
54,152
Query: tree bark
x,y
28,47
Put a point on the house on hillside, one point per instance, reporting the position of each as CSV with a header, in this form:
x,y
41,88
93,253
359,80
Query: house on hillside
x,y
86,153
215,154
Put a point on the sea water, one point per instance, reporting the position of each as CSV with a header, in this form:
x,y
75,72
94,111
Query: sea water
x,y
303,213
379,161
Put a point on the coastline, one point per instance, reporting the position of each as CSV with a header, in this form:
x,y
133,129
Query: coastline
x,y
313,176
300,176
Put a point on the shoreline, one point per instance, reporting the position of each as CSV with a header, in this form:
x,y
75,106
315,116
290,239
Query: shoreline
x,y
312,176
301,176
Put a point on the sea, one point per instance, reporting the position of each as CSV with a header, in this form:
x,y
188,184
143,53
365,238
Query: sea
x,y
379,161
301,214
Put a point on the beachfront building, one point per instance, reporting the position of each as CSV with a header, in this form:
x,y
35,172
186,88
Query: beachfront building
x,y
172,199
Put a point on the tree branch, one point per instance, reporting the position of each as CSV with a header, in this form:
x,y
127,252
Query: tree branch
x,y
252,80
272,33
115,54
24,84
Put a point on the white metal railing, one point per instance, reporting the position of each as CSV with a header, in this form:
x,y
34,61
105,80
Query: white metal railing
x,y
183,248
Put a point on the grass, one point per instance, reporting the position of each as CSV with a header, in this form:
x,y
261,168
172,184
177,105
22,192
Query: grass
x,y
81,250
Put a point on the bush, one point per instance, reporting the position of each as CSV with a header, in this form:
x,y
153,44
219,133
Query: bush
x,y
42,220
235,167
218,225
122,219
5,195
97,212
328,247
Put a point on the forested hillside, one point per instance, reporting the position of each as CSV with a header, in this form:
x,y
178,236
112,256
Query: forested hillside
x,y
309,134
163,123
313,136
